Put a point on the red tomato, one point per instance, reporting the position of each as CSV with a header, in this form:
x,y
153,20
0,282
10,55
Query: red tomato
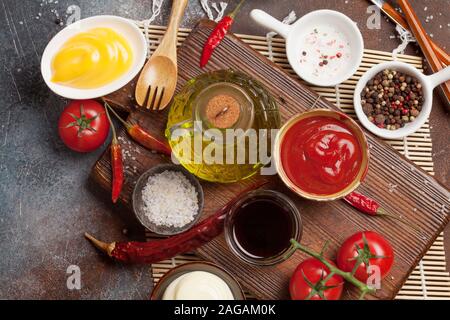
x,y
84,126
306,282
364,249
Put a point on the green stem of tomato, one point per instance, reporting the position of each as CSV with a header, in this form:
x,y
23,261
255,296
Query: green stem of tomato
x,y
328,278
364,288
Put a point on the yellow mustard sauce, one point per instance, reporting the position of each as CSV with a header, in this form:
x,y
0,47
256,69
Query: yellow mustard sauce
x,y
92,59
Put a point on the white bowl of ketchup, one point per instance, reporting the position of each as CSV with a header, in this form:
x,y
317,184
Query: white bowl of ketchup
x,y
124,27
322,155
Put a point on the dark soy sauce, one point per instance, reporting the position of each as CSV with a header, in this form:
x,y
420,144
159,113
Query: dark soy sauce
x,y
262,228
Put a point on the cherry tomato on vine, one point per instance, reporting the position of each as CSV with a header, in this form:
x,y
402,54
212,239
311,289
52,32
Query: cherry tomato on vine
x,y
308,282
365,249
83,126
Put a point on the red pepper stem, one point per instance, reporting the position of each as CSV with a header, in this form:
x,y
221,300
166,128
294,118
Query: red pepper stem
x,y
114,139
236,10
383,213
125,123
102,246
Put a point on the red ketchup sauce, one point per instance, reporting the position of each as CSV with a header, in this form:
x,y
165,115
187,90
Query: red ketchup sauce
x,y
321,155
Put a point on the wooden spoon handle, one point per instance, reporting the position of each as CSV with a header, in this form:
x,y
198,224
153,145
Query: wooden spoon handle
x,y
442,55
423,40
168,46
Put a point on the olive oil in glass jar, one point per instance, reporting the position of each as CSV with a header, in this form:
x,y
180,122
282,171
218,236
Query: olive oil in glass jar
x,y
220,126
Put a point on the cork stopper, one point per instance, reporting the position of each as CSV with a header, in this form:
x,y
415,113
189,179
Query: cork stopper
x,y
223,111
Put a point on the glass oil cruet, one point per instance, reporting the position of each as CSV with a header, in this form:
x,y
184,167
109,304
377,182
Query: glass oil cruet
x,y
218,125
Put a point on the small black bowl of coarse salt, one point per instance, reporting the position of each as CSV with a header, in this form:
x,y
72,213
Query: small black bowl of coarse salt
x,y
168,200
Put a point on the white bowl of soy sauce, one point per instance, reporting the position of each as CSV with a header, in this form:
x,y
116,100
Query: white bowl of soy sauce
x,y
260,227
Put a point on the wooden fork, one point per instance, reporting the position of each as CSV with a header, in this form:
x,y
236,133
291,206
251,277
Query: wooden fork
x,y
157,82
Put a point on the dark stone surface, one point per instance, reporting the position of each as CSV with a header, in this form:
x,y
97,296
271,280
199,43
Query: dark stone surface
x,y
46,202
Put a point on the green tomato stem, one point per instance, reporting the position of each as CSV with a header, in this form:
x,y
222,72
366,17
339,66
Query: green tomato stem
x,y
328,278
364,288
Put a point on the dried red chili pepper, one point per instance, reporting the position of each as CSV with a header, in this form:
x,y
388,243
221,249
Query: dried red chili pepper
x,y
160,250
147,140
364,204
116,163
141,136
218,34
372,208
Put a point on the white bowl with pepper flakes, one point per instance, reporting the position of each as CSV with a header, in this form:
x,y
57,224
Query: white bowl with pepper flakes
x,y
324,47
393,99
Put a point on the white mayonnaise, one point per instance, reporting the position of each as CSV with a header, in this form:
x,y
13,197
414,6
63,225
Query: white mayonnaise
x,y
198,285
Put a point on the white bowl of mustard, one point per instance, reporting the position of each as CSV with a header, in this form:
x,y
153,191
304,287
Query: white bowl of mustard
x,y
93,57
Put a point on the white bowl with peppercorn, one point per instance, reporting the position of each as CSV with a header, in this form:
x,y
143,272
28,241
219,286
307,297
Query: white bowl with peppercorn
x,y
393,99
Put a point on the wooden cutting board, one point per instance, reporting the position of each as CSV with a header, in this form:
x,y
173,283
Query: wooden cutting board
x,y
416,196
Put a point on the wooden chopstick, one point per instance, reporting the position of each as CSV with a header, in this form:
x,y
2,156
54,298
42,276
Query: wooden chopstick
x,y
422,38
442,55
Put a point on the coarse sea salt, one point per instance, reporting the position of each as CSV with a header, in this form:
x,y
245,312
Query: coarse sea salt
x,y
170,199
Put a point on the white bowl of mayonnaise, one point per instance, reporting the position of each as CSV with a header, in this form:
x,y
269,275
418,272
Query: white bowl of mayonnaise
x,y
324,47
198,281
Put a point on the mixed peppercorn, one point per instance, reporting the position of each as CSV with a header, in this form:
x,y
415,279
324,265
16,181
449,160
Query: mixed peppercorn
x,y
392,99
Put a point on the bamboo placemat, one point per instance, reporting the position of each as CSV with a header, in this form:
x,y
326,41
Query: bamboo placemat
x,y
429,280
